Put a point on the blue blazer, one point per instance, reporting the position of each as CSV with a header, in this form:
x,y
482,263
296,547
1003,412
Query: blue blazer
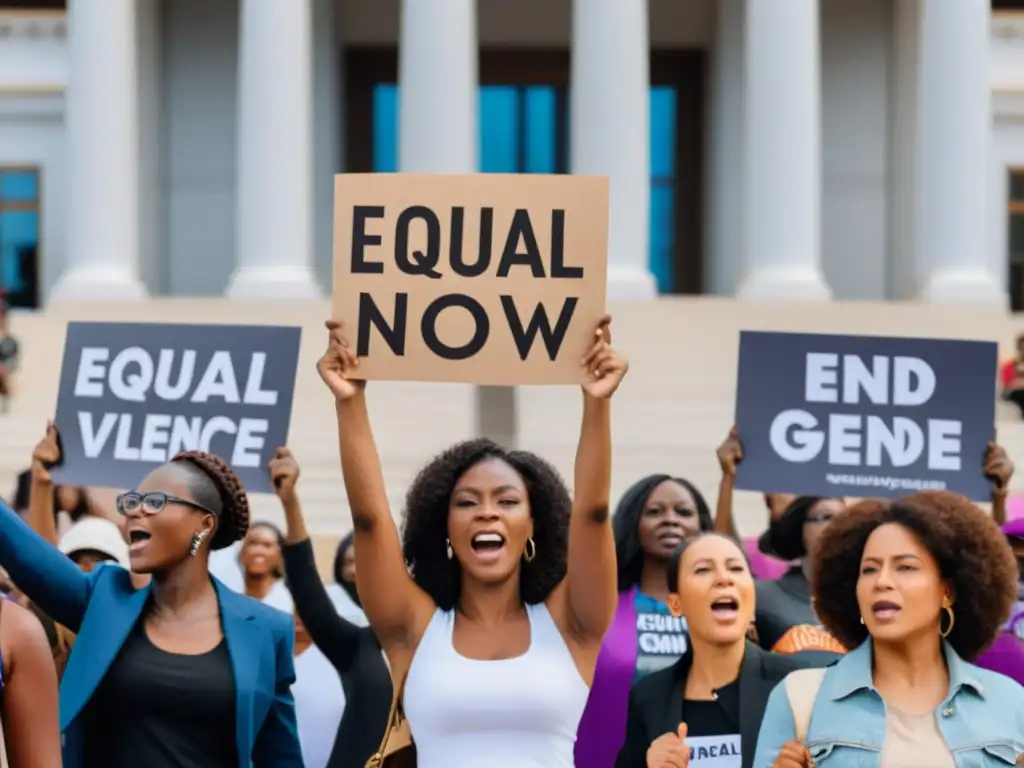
x,y
102,607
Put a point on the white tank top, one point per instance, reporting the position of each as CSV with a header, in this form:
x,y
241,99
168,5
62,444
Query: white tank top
x,y
513,713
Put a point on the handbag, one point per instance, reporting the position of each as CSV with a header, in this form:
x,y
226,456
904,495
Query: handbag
x,y
396,749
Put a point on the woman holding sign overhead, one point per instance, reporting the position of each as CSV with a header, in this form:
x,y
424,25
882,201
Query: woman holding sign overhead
x,y
183,671
494,627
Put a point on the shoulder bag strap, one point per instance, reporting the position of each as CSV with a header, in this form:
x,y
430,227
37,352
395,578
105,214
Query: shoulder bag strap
x,y
392,722
802,688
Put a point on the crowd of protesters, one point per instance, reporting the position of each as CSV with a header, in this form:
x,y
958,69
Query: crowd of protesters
x,y
509,623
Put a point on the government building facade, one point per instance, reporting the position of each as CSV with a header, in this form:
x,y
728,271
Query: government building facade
x,y
790,149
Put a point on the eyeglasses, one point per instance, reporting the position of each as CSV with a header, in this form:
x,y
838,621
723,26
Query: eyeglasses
x,y
153,503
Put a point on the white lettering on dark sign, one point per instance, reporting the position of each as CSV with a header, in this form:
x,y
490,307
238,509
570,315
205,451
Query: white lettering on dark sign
x,y
864,440
133,376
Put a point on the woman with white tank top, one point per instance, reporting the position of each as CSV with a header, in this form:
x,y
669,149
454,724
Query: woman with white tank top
x,y
493,607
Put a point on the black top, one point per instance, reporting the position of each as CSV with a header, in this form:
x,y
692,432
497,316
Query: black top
x,y
354,652
163,710
656,703
781,605
713,727
713,717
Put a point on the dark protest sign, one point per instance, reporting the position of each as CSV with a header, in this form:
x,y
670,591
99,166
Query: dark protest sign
x,y
864,416
487,279
134,394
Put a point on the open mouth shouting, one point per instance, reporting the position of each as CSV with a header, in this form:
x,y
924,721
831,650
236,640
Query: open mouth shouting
x,y
725,610
137,540
488,546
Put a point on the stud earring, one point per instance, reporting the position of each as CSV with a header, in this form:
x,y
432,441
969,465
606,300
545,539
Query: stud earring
x,y
448,547
197,540
861,619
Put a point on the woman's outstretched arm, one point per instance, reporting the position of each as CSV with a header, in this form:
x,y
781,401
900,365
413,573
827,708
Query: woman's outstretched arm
x,y
588,594
48,578
397,608
41,516
730,454
998,469
336,638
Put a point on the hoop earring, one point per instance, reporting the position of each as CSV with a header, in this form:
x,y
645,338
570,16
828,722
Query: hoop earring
x,y
197,539
952,621
448,547
531,550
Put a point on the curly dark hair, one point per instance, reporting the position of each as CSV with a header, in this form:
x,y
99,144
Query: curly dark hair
x,y
971,552
425,530
628,552
216,486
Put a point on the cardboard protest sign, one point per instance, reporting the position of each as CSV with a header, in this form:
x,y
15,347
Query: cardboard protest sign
x,y
487,279
864,416
134,394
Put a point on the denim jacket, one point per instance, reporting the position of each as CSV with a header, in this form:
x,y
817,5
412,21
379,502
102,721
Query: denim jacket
x,y
981,719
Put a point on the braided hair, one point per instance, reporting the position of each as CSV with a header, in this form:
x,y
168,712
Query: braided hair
x,y
216,486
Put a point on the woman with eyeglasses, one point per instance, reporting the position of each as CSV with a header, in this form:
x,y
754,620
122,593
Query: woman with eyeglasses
x,y
183,671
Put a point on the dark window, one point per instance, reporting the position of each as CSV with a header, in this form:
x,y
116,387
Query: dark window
x,y
20,235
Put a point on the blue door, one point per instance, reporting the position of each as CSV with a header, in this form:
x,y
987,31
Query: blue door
x,y
524,129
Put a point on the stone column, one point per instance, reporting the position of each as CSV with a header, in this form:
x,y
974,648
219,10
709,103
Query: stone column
x,y
275,152
609,129
438,133
103,154
954,130
782,158
437,73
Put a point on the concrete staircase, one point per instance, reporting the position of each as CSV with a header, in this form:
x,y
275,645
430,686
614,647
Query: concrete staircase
x,y
673,410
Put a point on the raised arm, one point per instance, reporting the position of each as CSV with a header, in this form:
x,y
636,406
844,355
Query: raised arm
x,y
42,516
398,610
730,454
998,469
30,721
337,638
37,567
585,601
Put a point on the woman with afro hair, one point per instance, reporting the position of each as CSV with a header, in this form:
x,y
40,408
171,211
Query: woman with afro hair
x,y
916,588
493,616
183,671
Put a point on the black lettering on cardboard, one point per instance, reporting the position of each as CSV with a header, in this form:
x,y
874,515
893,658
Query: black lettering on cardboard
x,y
558,268
483,261
521,229
418,262
552,337
361,239
428,326
370,315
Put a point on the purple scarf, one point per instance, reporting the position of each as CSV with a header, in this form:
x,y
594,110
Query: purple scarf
x,y
602,728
